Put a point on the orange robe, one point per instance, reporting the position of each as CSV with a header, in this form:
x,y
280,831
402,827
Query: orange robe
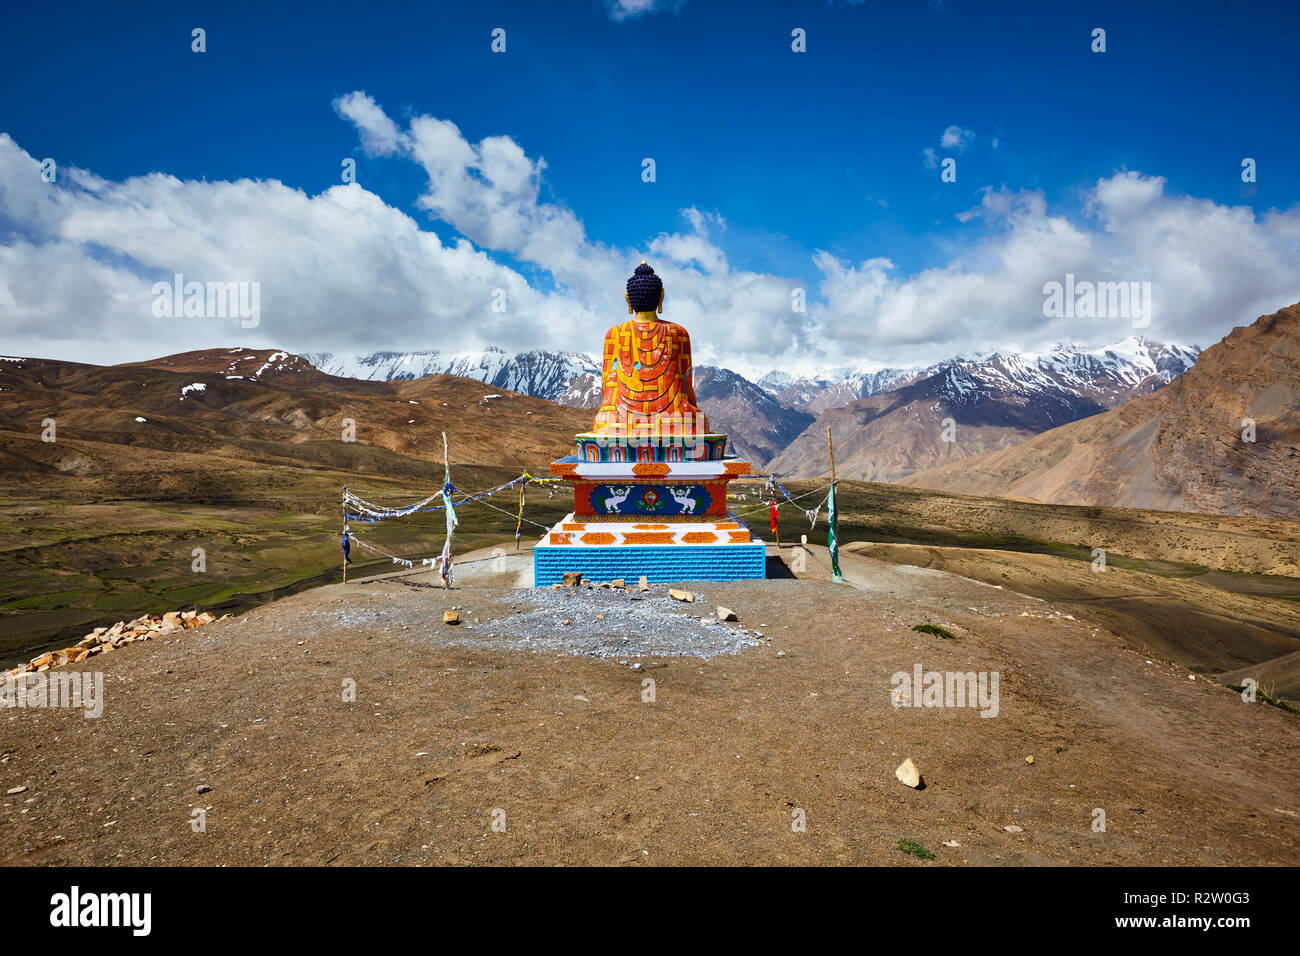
x,y
646,385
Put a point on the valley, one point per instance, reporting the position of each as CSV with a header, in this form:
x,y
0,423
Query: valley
x,y
248,468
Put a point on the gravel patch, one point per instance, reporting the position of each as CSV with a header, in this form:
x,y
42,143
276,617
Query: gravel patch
x,y
607,623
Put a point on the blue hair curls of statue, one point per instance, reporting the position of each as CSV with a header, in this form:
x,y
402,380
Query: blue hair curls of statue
x,y
644,289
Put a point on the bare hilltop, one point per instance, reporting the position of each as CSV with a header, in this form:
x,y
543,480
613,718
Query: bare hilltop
x,y
349,725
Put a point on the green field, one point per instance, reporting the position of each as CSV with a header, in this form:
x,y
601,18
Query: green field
x,y
75,561
74,564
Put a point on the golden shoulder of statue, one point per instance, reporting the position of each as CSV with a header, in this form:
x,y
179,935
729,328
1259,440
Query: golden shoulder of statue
x,y
646,385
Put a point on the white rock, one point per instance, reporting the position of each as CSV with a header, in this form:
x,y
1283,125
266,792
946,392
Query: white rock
x,y
908,775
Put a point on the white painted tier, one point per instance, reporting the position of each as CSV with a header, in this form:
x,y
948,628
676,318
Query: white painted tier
x,y
650,470
575,532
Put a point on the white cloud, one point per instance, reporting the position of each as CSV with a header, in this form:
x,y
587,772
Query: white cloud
x,y
379,134
490,193
343,270
338,270
628,9
955,137
687,249
1210,267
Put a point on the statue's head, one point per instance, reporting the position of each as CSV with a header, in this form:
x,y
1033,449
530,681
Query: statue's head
x,y
645,290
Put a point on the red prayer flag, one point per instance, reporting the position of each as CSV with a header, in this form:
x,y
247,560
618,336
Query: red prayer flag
x,y
774,517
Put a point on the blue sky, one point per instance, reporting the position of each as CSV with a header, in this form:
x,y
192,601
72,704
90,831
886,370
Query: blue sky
x,y
788,156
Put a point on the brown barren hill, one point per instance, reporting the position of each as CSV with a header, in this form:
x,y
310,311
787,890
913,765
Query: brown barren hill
x,y
1182,448
111,477
891,435
244,406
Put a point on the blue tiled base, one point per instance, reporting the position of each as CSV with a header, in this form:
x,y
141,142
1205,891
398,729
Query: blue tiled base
x,y
659,563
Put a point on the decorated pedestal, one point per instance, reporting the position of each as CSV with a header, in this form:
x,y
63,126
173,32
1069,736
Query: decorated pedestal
x,y
664,520
617,446
649,480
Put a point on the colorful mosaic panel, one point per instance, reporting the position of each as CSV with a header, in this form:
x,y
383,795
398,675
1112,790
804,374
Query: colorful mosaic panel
x,y
603,448
694,499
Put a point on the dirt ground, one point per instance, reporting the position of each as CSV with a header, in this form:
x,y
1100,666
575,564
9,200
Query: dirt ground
x,y
574,766
1197,622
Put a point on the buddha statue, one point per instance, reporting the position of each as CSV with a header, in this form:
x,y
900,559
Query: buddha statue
x,y
646,387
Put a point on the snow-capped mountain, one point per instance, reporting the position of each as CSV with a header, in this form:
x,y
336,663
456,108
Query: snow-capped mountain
x,y
1176,449
833,388
539,373
1106,375
582,392
1068,375
997,398
960,408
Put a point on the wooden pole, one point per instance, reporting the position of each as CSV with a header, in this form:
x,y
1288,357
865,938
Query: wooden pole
x,y
519,524
832,545
446,480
